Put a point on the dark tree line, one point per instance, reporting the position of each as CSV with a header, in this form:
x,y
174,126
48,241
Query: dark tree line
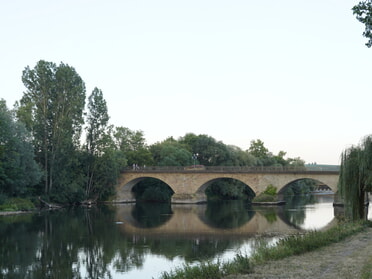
x,y
44,153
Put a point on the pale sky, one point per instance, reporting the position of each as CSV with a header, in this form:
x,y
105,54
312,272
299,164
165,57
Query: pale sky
x,y
294,73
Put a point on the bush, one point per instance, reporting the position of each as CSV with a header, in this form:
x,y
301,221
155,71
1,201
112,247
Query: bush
x,y
270,190
269,195
3,198
17,204
264,198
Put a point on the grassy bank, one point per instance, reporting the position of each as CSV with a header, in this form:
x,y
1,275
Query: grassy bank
x,y
367,269
16,204
288,246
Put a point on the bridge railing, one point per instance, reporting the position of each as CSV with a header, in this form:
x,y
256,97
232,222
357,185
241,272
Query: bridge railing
x,y
238,169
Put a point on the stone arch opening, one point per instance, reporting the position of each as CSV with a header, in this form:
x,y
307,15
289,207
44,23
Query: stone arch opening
x,y
152,189
304,186
226,188
134,188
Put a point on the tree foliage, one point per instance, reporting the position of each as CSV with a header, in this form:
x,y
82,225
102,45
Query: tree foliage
x,y
96,139
264,157
171,153
133,145
356,177
363,13
18,169
53,108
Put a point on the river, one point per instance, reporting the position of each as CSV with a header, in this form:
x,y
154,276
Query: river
x,y
142,240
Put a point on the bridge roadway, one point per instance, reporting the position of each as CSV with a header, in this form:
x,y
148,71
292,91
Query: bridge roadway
x,y
189,183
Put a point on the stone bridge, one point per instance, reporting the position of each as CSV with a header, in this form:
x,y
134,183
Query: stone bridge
x,y
189,184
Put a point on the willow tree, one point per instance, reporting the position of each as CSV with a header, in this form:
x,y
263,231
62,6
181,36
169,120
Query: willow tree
x,y
356,177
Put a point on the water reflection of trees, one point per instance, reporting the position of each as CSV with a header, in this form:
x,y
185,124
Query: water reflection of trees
x,y
294,210
228,214
190,249
88,243
60,244
151,215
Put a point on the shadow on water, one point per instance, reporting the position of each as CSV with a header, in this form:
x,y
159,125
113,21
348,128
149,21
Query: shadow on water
x,y
151,215
228,214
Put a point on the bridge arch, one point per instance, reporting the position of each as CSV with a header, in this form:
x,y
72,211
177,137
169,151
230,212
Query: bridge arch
x,y
203,187
188,185
330,182
125,188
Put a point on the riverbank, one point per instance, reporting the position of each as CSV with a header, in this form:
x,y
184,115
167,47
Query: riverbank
x,y
340,252
349,258
5,213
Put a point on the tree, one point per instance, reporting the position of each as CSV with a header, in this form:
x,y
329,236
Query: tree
x,y
258,149
18,169
363,12
52,108
170,153
238,157
262,154
133,145
266,158
210,152
356,177
97,128
296,162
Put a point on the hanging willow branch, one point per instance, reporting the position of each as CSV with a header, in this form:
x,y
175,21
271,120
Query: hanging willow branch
x,y
356,177
367,164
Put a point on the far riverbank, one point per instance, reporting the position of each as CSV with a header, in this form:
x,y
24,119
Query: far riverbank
x,y
5,213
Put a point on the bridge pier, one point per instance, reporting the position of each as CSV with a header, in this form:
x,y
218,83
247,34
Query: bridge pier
x,y
124,195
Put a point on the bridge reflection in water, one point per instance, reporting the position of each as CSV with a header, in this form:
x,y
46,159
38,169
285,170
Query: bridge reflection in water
x,y
208,220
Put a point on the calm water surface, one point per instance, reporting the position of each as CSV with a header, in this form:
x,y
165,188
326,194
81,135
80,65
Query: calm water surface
x,y
143,240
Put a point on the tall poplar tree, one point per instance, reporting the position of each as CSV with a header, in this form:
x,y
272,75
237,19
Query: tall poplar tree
x,y
97,131
52,108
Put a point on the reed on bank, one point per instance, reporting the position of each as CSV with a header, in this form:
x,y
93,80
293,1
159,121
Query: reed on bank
x,y
288,246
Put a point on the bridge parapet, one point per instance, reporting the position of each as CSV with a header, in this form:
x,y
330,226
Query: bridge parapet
x,y
237,169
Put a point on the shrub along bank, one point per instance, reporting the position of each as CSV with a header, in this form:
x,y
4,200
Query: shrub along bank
x,y
17,204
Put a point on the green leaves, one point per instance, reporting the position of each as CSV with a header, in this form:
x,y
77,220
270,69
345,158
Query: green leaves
x,y
52,108
18,169
363,12
356,177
